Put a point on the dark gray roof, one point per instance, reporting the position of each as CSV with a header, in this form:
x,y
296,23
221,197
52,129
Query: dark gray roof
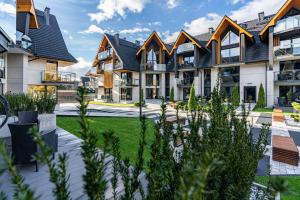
x,y
48,41
126,51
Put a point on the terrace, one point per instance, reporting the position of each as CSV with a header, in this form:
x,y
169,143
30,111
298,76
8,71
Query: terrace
x,y
57,77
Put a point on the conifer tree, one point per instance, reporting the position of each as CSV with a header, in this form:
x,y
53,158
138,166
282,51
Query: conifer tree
x,y
172,95
235,98
261,101
192,103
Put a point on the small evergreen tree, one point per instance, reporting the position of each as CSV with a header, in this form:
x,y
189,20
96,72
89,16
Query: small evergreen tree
x,y
261,101
192,103
172,95
235,98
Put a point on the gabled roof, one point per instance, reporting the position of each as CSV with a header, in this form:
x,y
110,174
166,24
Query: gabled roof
x,y
48,41
226,21
27,6
183,34
282,11
154,35
125,51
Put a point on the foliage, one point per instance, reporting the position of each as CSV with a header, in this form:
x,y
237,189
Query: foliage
x,y
235,98
289,95
22,190
58,172
261,101
137,104
192,103
296,106
45,103
94,182
172,95
20,102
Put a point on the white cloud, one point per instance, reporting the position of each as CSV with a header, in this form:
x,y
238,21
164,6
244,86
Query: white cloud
x,y
233,2
247,12
172,3
93,29
7,8
170,37
154,23
80,68
110,8
251,9
134,30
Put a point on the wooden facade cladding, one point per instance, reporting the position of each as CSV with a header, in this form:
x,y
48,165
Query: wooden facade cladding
x,y
276,40
282,11
108,79
27,6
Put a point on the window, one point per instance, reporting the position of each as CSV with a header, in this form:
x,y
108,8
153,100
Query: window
x,y
127,77
230,38
149,79
151,57
126,94
233,52
2,66
188,60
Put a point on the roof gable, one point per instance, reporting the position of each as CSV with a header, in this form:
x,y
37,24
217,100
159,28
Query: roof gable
x,y
282,11
226,21
181,38
156,37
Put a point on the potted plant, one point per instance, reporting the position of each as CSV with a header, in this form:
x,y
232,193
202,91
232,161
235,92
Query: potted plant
x,y
45,107
289,96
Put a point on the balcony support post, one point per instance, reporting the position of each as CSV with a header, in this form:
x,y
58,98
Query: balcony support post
x,y
243,48
271,48
214,53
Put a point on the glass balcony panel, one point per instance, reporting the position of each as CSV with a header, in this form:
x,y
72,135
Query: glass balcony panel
x,y
186,47
104,54
287,24
108,67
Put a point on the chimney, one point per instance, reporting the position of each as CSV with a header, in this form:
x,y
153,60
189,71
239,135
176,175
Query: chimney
x,y
117,38
261,16
137,42
47,16
211,30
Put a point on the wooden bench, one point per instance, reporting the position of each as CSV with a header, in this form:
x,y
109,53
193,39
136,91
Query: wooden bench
x,y
278,115
285,150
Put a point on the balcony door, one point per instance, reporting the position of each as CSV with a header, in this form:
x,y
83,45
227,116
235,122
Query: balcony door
x,y
249,94
51,71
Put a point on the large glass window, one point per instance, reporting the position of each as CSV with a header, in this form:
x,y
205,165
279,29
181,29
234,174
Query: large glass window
x,y
126,94
230,55
149,79
151,57
230,38
188,60
126,76
2,66
51,73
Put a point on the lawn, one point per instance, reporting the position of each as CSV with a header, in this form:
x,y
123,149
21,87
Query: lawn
x,y
127,129
112,104
293,186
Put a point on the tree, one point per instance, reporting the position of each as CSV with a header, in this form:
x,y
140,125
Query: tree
x,y
192,103
235,98
172,95
261,101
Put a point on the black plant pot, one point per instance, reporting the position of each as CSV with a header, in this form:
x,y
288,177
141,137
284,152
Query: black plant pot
x,y
282,101
26,117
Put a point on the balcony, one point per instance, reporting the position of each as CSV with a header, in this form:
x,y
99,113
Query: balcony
x,y
287,24
287,50
186,47
155,67
287,77
186,82
128,83
185,65
104,55
230,60
58,77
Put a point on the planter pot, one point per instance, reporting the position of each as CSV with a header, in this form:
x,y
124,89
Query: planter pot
x,y
47,122
28,117
281,101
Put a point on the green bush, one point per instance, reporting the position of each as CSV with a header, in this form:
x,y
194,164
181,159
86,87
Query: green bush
x,y
137,104
172,95
235,98
45,104
261,102
20,102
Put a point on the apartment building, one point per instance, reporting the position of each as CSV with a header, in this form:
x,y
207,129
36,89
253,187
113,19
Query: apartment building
x,y
247,54
35,59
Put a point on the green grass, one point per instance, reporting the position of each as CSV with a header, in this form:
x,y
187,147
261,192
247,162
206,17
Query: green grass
x,y
112,104
293,192
265,110
127,129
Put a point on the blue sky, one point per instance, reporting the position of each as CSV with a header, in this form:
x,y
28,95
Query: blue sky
x,y
84,21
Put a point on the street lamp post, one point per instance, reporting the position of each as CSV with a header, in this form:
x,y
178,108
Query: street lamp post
x,y
140,90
